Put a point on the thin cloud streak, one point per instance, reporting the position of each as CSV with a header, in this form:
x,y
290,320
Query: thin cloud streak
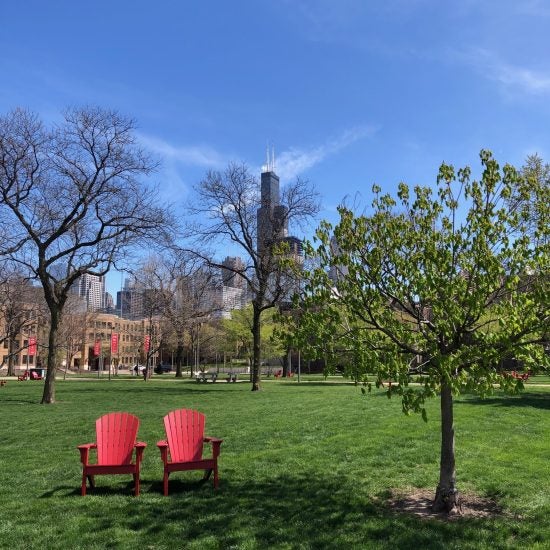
x,y
510,77
289,164
295,161
193,155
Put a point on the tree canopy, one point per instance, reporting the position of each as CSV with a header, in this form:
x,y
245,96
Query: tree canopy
x,y
443,282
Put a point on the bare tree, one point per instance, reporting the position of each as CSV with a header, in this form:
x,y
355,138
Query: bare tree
x,y
178,289
231,210
21,308
72,330
72,202
532,203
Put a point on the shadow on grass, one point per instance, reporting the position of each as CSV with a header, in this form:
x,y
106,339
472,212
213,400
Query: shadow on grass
x,y
305,383
294,511
531,399
145,389
17,401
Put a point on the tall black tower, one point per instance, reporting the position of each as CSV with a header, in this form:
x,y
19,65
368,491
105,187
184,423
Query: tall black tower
x,y
271,218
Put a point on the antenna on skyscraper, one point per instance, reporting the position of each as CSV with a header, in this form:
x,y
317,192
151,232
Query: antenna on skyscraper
x,y
270,159
273,158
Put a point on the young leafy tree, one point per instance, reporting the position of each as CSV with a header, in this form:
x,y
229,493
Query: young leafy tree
x,y
238,334
448,280
72,202
227,205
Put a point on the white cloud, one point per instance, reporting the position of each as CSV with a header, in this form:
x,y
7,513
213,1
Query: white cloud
x,y
521,77
194,155
289,163
510,77
295,161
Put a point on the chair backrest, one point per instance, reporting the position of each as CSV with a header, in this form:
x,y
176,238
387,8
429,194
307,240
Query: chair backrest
x,y
116,435
185,433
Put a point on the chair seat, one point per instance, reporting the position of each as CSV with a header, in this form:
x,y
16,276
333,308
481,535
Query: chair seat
x,y
204,464
100,469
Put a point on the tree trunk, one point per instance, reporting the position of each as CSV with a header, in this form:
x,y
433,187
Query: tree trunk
x,y
284,361
446,495
48,396
179,356
11,366
256,348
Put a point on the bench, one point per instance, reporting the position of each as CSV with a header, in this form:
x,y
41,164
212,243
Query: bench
x,y
205,376
231,377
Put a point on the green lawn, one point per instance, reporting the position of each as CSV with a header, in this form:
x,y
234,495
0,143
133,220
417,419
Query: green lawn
x,y
302,466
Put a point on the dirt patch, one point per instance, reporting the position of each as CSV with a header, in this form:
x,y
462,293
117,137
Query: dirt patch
x,y
418,502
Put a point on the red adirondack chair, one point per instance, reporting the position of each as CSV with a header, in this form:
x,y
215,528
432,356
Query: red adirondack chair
x,y
116,435
35,375
24,376
182,449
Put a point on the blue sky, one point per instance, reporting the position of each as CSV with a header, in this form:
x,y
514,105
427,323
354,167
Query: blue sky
x,y
348,92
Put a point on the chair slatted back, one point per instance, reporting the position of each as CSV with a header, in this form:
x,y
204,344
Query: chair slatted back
x,y
116,435
185,433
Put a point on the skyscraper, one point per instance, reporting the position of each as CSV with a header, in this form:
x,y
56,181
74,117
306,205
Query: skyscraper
x,y
129,300
230,277
92,289
272,223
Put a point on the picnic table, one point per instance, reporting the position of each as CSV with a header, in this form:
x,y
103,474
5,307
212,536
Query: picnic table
x,y
205,376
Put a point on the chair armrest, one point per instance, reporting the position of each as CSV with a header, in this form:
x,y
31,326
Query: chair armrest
x,y
163,447
139,447
216,443
85,452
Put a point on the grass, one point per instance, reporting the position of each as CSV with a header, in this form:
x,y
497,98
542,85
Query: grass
x,y
302,466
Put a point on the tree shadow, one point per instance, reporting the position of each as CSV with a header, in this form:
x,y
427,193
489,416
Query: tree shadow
x,y
532,399
18,401
293,383
290,511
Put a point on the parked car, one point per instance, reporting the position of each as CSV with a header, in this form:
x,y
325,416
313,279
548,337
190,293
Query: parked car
x,y
162,368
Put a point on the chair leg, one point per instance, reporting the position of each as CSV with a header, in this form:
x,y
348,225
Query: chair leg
x,y
83,485
136,485
165,483
216,476
207,474
92,481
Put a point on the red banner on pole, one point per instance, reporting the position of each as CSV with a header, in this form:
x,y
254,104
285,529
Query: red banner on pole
x,y
32,346
146,344
114,344
97,348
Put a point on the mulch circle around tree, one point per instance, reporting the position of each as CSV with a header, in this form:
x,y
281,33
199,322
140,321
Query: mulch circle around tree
x,y
418,502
